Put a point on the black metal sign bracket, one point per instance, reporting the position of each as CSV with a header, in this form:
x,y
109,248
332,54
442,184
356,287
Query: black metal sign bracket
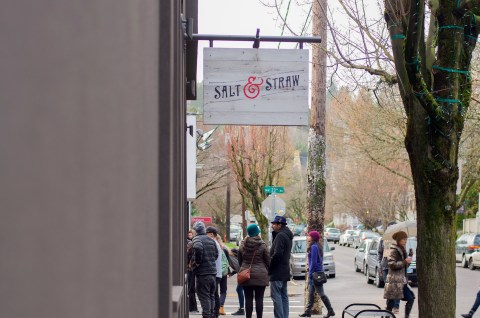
x,y
256,39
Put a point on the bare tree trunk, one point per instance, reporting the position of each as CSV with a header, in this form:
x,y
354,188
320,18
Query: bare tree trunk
x,y
316,176
435,197
227,210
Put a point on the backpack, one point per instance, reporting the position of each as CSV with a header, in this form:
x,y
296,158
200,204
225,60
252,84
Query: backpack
x,y
233,262
224,264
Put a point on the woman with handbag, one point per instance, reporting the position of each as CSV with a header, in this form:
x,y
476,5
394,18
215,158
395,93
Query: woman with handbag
x,y
254,256
396,286
315,269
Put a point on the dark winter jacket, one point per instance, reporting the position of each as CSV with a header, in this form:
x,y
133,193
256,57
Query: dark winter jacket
x,y
254,251
280,255
189,254
204,255
396,277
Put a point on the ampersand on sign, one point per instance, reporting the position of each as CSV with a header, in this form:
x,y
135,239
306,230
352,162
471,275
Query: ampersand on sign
x,y
251,90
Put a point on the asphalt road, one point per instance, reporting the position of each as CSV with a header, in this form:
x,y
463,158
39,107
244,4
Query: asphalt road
x,y
349,287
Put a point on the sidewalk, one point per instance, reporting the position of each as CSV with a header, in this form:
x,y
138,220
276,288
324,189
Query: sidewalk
x,y
295,293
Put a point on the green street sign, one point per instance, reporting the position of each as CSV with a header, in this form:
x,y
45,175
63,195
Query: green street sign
x,y
272,189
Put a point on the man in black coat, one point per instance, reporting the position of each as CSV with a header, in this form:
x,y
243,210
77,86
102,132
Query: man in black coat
x,y
279,270
204,256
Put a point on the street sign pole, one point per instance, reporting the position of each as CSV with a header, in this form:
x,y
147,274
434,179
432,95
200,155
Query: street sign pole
x,y
274,208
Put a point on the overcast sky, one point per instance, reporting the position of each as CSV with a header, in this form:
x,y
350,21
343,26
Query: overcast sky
x,y
235,17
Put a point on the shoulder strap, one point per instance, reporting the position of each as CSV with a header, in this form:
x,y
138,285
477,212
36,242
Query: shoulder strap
x,y
253,258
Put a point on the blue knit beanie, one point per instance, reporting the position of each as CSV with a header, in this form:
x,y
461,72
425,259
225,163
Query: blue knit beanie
x,y
253,230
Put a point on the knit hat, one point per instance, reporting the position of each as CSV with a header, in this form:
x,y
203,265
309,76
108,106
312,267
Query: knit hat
x,y
399,236
314,235
199,227
212,229
253,230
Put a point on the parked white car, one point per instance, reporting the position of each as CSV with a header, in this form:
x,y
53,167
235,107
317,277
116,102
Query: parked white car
x,y
474,260
344,237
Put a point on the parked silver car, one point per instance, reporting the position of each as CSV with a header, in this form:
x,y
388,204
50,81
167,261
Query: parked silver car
x,y
373,271
234,229
332,234
362,236
360,260
298,257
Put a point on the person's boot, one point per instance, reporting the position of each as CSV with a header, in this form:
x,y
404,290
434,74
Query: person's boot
x,y
469,315
408,309
221,311
305,314
239,312
326,302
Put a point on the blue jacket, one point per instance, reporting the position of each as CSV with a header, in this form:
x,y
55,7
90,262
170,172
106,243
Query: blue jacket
x,y
315,260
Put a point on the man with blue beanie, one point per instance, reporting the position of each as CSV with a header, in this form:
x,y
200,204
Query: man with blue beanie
x,y
204,256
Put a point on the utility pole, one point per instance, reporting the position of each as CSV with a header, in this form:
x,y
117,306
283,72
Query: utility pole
x,y
316,171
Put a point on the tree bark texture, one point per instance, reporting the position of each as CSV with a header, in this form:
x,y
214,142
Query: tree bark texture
x,y
316,184
316,170
435,85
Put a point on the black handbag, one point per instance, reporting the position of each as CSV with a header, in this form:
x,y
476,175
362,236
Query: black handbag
x,y
319,278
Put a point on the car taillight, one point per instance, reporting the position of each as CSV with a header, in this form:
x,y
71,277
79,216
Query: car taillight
x,y
473,247
326,234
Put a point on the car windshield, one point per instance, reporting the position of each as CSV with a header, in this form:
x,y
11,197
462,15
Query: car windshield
x,y
371,234
350,231
412,244
333,230
477,240
300,246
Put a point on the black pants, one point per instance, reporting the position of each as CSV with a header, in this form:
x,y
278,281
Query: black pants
x,y
192,301
249,292
408,296
217,297
205,287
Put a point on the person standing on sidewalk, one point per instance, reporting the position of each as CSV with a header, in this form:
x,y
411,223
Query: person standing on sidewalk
x,y
233,259
315,264
225,270
253,254
396,286
236,268
383,261
279,270
205,253
212,233
474,308
192,300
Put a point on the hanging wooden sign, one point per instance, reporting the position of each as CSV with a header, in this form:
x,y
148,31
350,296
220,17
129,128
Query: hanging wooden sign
x,y
255,87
